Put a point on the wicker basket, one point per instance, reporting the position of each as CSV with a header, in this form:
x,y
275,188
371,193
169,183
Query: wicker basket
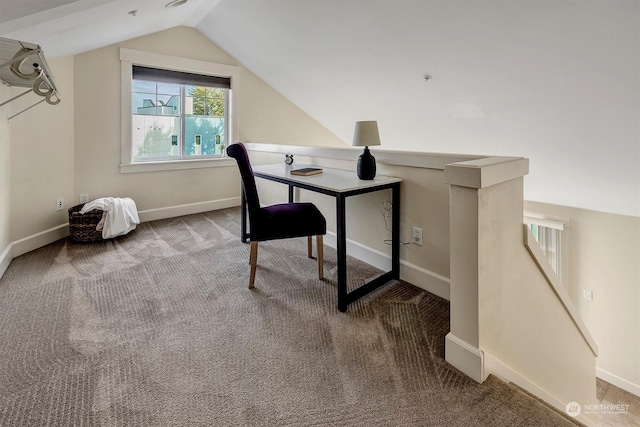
x,y
82,227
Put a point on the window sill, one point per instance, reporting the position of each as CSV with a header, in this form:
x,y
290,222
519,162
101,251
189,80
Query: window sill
x,y
171,165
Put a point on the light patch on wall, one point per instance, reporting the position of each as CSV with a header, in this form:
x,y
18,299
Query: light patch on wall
x,y
464,110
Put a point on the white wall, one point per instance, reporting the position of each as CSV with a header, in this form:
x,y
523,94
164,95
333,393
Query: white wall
x,y
506,319
42,158
604,250
522,322
555,81
262,112
74,147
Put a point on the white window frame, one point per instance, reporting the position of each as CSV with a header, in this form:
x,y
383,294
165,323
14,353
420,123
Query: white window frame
x,y
562,226
130,57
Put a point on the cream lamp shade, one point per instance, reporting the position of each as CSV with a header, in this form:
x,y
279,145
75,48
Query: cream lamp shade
x,y
366,134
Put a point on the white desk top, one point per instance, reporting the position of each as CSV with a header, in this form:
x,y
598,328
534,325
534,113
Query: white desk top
x,y
337,180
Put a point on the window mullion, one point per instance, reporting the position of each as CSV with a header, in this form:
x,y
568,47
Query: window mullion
x,y
183,142
227,115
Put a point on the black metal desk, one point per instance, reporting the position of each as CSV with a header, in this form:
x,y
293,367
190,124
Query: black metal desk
x,y
339,184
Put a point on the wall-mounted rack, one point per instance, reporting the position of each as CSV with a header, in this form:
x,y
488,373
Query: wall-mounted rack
x,y
24,65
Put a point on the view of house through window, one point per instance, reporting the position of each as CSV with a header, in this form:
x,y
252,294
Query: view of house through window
x,y
173,118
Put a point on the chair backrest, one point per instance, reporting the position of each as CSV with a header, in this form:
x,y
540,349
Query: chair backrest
x,y
239,152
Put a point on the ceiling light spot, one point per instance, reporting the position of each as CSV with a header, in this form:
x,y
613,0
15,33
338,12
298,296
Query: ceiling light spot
x,y
427,77
175,3
133,12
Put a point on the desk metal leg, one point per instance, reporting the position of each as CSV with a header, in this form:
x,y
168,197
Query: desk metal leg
x,y
291,194
345,298
341,244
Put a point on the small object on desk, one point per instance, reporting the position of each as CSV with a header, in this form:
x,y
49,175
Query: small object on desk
x,y
306,171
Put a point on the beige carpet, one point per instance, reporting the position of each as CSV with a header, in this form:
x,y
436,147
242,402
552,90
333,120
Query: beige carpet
x,y
158,328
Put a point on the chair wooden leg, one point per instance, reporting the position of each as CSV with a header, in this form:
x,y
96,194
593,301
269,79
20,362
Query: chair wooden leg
x,y
253,260
320,244
309,247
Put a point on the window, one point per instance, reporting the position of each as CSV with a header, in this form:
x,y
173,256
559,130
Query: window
x,y
549,235
177,113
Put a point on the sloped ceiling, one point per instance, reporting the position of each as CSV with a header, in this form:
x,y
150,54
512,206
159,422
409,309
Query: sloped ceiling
x,y
556,81
65,27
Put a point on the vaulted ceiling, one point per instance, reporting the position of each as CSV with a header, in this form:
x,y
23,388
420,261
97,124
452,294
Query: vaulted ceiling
x,y
64,27
556,81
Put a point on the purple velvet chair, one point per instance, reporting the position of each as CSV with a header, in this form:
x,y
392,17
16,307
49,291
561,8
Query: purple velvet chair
x,y
281,221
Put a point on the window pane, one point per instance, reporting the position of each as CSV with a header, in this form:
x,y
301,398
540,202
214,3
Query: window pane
x,y
164,113
155,136
549,240
143,103
168,105
168,88
205,101
143,86
209,131
215,102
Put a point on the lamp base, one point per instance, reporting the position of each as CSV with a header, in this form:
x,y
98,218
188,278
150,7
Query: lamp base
x,y
366,165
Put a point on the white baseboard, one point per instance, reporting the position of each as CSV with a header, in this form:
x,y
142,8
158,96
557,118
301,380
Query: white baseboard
x,y
618,381
5,259
30,243
505,373
188,209
410,273
38,240
463,356
425,279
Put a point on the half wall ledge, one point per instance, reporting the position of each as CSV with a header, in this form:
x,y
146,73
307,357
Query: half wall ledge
x,y
482,173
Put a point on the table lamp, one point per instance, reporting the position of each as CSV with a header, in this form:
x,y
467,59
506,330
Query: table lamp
x,y
366,134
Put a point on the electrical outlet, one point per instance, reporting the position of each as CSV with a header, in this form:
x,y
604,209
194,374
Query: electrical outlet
x,y
59,203
417,236
84,198
587,294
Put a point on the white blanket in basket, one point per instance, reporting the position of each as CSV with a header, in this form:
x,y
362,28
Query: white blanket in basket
x,y
120,215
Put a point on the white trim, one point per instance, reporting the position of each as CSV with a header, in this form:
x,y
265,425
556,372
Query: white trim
x,y
363,253
38,240
5,259
126,123
464,357
545,222
176,63
410,273
388,157
129,57
618,381
30,243
485,172
496,367
187,209
552,279
425,279
176,165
